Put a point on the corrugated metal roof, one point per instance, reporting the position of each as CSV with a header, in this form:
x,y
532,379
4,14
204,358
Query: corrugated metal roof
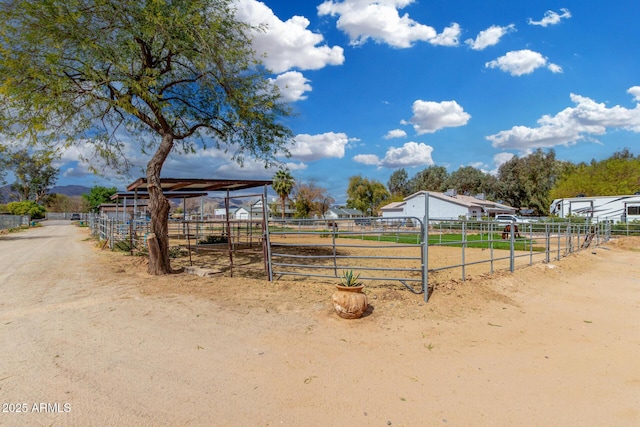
x,y
198,184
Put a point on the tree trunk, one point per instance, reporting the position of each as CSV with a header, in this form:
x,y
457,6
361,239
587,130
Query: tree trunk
x,y
159,262
283,200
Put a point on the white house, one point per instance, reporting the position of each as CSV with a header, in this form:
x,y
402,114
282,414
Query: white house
x,y
341,213
444,206
613,208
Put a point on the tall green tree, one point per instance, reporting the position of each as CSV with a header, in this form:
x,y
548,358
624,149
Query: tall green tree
x,y
98,195
398,183
34,175
432,178
283,184
471,181
366,195
173,74
525,182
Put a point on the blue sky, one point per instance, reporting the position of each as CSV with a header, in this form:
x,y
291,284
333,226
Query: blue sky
x,y
377,86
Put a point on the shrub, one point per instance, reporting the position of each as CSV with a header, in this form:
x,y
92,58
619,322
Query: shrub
x,y
31,208
210,240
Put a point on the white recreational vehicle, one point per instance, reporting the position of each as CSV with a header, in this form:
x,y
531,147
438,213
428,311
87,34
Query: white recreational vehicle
x,y
601,208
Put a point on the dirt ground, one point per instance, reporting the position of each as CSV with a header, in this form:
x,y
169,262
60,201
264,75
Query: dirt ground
x,y
88,338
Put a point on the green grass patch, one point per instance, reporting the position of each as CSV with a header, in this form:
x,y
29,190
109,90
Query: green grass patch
x,y
480,241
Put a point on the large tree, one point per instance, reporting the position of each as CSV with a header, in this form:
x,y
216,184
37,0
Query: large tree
x,y
432,178
471,181
283,184
34,175
173,74
398,183
311,199
98,195
525,182
366,195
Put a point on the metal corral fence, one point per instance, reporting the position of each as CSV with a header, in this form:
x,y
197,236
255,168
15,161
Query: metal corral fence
x,y
231,237
13,221
394,249
400,250
626,228
116,234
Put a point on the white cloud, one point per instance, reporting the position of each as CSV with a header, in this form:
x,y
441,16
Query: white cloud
x,y
292,85
448,37
635,91
519,62
381,21
409,155
287,44
489,37
315,147
501,158
571,125
395,133
551,18
429,116
367,159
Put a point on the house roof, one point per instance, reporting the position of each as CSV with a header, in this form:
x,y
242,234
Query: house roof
x,y
345,211
460,199
392,206
198,184
145,195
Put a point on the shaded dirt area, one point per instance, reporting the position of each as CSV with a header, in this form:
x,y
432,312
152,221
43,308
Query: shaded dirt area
x,y
551,344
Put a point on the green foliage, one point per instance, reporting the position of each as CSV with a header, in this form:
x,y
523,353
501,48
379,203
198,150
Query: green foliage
x,y
349,279
432,178
525,182
616,175
81,69
471,181
210,240
99,195
398,183
366,195
28,207
33,172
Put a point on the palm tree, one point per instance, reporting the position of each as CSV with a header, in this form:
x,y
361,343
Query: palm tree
x,y
283,183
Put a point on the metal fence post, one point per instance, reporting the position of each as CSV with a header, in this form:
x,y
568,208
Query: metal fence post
x,y
425,251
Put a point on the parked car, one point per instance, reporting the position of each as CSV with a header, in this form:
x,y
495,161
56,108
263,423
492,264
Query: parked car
x,y
509,218
75,217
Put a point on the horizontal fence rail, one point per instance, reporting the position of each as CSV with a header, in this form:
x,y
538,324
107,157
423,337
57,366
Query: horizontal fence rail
x,y
378,249
404,250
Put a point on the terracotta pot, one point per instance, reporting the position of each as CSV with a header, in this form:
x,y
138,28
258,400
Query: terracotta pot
x,y
349,301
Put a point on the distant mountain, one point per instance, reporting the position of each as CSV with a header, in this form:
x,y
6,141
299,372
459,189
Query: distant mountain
x,y
70,190
67,190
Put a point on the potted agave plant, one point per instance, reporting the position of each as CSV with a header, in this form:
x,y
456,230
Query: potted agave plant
x,y
348,300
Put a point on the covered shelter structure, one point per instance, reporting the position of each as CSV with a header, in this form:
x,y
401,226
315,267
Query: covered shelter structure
x,y
231,230
132,209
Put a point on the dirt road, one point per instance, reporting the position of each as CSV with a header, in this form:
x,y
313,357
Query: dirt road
x,y
88,338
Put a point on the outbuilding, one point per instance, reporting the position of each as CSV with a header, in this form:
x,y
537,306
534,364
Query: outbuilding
x,y
601,208
445,206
